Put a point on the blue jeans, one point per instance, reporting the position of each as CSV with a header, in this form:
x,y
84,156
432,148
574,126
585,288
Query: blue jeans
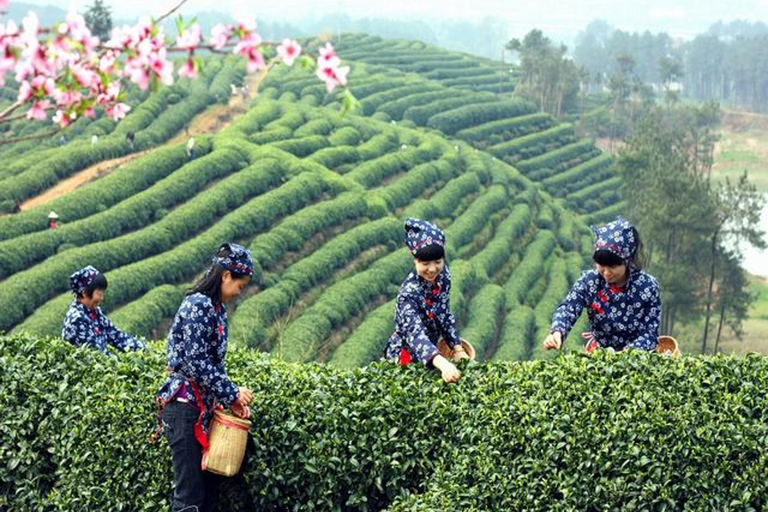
x,y
195,490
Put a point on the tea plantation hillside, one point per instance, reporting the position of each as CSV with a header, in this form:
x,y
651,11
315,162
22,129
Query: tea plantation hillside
x,y
320,197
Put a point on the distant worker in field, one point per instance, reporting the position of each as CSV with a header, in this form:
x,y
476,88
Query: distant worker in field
x,y
94,140
622,300
85,324
130,137
62,140
191,148
197,382
423,310
52,220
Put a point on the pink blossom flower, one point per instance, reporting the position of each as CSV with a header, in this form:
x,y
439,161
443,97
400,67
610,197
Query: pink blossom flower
x,y
333,76
61,119
327,53
248,48
289,51
25,92
244,46
117,111
255,61
37,110
4,5
219,36
188,69
64,119
67,98
162,67
190,38
113,90
84,75
107,63
139,76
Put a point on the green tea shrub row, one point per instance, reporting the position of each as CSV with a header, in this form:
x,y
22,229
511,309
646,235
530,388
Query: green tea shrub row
x,y
396,108
121,184
534,144
516,334
373,172
469,223
295,231
556,290
530,268
503,244
631,432
165,240
552,162
485,312
302,338
134,213
420,115
508,128
367,342
256,313
587,173
455,120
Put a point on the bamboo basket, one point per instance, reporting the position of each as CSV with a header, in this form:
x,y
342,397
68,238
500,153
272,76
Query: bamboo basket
x,y
447,352
226,444
668,346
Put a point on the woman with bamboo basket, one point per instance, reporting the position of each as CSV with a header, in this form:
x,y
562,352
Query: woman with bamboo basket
x,y
197,383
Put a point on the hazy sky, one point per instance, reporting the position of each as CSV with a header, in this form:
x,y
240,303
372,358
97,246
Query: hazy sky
x,y
683,18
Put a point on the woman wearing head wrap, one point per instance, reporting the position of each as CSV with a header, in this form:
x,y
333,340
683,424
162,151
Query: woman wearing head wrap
x,y
85,324
197,345
423,309
623,301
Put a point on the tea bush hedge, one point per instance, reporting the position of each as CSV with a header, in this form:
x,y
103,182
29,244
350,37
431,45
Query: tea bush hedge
x,y
629,432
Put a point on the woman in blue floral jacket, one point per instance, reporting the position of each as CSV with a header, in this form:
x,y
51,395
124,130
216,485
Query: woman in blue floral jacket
x,y
85,324
197,345
623,301
423,310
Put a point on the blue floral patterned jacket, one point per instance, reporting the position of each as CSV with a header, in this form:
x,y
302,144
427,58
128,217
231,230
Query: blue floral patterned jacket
x,y
197,345
92,328
422,314
620,318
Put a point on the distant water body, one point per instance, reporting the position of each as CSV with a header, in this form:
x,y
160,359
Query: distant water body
x,y
755,261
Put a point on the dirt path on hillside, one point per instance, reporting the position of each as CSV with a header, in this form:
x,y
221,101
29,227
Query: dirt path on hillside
x,y
210,121
91,173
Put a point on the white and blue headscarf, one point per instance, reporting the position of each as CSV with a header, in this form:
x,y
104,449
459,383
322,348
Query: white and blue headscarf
x,y
239,259
617,237
420,234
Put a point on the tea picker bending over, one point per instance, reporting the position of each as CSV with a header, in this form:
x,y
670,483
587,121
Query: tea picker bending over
x,y
85,323
623,301
197,345
423,309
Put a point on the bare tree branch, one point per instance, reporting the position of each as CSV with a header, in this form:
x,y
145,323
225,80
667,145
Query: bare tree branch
x,y
30,137
10,109
161,18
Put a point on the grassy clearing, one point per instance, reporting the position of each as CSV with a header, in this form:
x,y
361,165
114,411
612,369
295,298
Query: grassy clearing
x,y
743,146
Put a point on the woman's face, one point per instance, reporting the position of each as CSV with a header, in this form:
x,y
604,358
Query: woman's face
x,y
429,270
231,286
614,275
94,301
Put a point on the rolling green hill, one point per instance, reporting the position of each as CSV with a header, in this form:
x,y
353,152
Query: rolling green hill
x,y
320,197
